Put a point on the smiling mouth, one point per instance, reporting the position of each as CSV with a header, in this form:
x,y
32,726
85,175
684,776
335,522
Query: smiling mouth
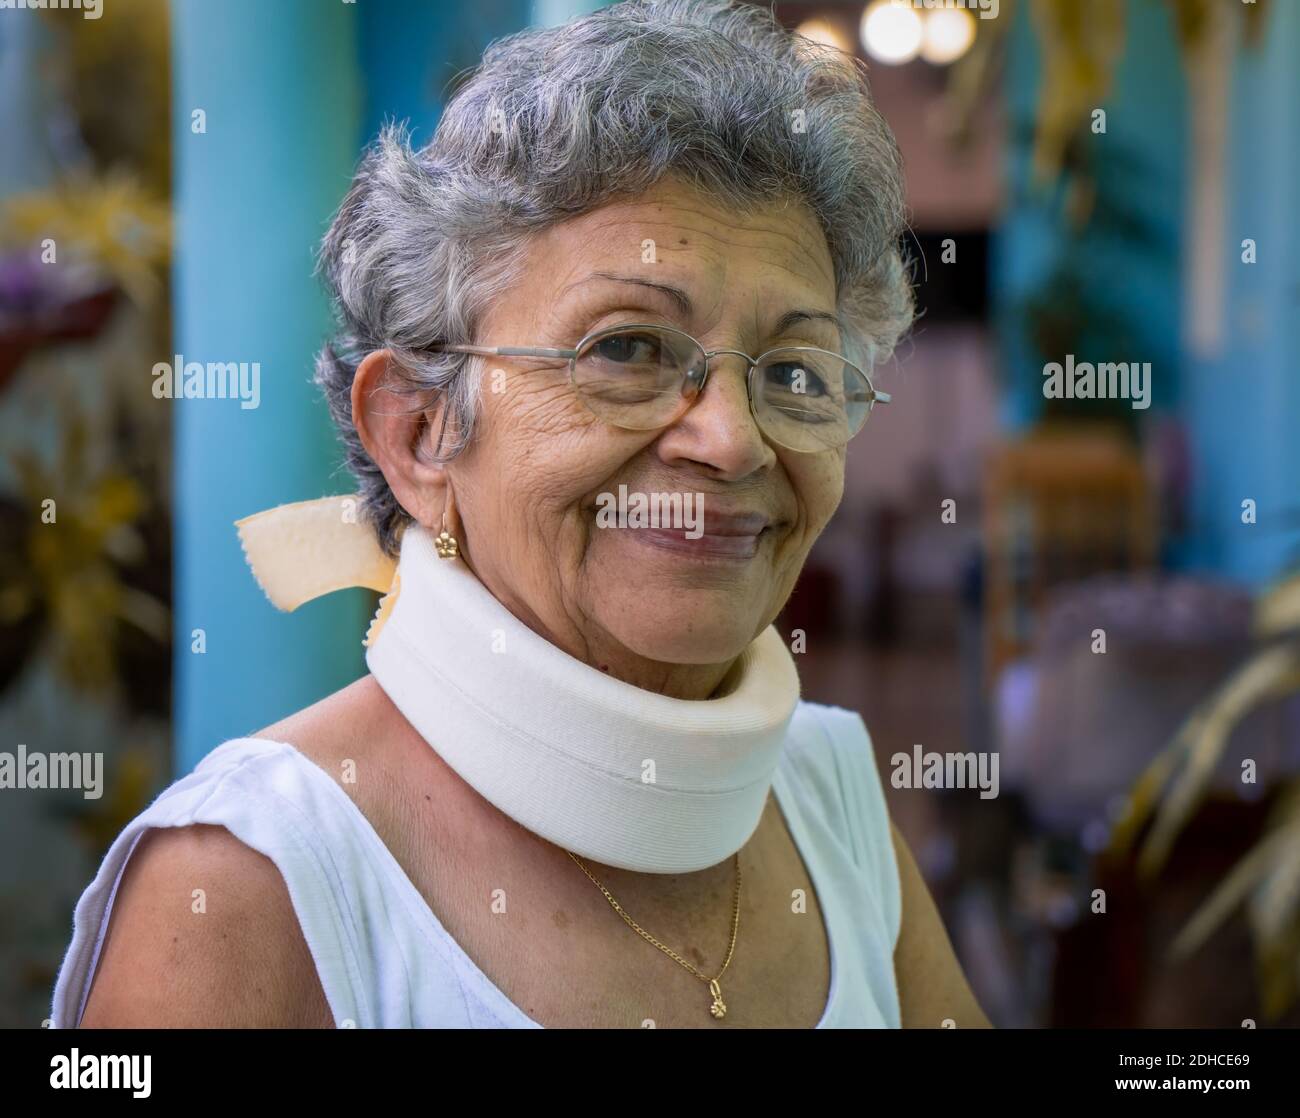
x,y
688,527
722,542
706,546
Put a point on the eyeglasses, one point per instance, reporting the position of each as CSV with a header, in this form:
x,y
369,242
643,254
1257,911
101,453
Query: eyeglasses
x,y
642,377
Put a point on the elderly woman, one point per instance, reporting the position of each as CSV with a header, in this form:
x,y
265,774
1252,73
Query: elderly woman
x,y
605,340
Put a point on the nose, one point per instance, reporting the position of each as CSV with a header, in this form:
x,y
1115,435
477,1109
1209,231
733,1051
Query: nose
x,y
719,430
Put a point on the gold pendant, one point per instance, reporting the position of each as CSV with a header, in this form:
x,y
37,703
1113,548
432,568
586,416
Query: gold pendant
x,y
718,1008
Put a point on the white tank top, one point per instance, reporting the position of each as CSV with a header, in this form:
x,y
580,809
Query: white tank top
x,y
383,957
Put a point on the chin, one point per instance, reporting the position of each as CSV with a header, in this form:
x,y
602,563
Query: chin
x,y
676,625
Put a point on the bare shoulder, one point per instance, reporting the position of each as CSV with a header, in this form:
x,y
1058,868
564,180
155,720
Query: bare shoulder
x,y
931,985
203,934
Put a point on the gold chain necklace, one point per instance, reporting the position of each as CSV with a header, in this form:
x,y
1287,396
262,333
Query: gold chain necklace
x,y
718,1008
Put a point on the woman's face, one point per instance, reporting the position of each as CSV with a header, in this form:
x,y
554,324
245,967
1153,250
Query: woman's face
x,y
638,603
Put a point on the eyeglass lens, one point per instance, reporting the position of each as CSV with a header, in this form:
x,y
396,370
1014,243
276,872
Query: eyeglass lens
x,y
807,400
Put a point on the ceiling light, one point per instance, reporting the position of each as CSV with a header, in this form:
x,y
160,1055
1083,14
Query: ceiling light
x,y
824,32
891,32
949,33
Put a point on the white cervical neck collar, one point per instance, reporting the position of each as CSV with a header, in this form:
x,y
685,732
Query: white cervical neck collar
x,y
614,773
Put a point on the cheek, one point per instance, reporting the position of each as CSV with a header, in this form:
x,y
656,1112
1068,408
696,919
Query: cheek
x,y
819,484
534,434
534,408
548,456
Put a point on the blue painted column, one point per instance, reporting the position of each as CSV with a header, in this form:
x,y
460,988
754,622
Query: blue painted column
x,y
291,92
1243,408
279,87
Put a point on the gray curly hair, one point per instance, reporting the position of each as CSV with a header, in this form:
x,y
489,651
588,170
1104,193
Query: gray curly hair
x,y
554,123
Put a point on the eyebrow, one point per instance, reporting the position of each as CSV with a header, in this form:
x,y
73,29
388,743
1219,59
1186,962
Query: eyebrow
x,y
683,302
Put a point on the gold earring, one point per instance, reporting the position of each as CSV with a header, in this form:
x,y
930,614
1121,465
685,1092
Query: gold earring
x,y
446,543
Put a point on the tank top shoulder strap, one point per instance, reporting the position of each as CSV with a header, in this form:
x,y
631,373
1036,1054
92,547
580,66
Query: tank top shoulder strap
x,y
278,802
831,755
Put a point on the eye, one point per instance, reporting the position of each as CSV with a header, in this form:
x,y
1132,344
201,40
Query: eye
x,y
629,348
796,378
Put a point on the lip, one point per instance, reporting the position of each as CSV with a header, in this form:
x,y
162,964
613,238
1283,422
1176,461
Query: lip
x,y
727,547
733,523
726,536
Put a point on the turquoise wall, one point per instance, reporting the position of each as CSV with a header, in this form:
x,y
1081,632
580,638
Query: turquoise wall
x,y
1240,411
409,53
1126,262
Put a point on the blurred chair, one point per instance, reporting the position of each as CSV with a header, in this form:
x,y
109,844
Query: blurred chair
x,y
1074,728
1060,505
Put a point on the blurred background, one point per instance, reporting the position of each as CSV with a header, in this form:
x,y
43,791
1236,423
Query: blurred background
x,y
1103,596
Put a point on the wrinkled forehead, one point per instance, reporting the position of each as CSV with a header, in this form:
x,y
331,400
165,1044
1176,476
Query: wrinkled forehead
x,y
676,237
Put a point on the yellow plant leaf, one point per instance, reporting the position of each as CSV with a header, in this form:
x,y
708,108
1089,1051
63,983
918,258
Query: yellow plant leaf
x,y
1269,673
1277,610
1234,889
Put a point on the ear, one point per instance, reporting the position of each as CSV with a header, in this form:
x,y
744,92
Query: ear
x,y
395,433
